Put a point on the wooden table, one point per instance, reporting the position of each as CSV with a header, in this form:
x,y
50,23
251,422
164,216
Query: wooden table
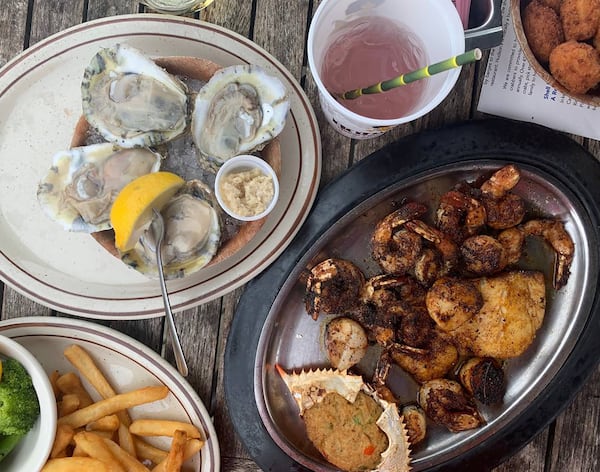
x,y
570,443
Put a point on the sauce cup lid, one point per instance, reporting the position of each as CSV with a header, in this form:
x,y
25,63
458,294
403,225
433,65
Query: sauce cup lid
x,y
242,163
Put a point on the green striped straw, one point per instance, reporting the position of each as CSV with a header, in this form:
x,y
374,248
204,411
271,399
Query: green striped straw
x,y
427,71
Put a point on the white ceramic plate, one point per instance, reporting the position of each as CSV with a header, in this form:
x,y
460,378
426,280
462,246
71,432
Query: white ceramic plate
x,y
39,106
127,364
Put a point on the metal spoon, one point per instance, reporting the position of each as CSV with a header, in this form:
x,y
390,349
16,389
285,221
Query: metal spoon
x,y
157,231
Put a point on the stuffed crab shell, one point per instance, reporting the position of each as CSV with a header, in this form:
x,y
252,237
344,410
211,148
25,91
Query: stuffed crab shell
x,y
130,100
82,183
238,111
192,234
350,425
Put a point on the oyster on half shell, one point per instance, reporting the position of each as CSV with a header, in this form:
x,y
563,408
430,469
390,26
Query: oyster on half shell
x,y
130,100
82,183
238,111
192,234
313,387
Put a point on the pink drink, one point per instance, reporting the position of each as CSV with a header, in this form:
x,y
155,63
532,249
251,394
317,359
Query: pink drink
x,y
367,51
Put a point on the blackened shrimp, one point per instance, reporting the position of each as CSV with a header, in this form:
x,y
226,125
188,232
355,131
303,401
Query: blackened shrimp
x,y
504,209
395,248
441,241
387,298
459,215
554,233
333,286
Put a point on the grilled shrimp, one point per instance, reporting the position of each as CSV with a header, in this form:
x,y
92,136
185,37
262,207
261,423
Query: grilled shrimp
x,y
460,215
387,299
446,247
333,286
394,248
501,182
554,233
433,360
503,208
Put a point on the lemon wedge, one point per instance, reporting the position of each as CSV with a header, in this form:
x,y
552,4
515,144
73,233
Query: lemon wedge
x,y
132,209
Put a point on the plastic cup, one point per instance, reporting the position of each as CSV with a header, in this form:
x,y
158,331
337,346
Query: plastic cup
x,y
438,25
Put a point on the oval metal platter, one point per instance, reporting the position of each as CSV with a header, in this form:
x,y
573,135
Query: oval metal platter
x,y
559,180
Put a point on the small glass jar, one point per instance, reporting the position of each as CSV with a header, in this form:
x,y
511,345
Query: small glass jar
x,y
177,7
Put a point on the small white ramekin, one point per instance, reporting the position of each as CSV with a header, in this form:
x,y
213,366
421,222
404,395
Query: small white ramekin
x,y
240,164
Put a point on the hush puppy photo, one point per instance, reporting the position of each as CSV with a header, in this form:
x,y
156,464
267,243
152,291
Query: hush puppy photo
x,y
543,29
580,18
576,66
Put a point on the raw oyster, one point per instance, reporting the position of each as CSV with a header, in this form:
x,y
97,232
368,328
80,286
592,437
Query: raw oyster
x,y
309,388
130,100
192,234
82,183
238,111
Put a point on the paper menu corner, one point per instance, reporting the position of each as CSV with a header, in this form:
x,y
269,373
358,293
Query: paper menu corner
x,y
512,89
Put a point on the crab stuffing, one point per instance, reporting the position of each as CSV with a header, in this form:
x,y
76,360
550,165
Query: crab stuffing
x,y
350,425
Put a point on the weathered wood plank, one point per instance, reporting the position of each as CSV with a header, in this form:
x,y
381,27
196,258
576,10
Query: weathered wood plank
x,y
13,25
231,14
103,8
52,16
15,305
576,445
530,458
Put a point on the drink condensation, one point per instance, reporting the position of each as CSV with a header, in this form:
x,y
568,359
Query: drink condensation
x,y
177,7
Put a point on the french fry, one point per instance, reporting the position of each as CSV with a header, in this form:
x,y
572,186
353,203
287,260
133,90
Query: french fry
x,y
149,427
71,383
106,423
63,437
96,436
175,458
126,440
146,451
192,447
94,446
130,463
52,377
75,464
86,366
78,452
68,404
111,405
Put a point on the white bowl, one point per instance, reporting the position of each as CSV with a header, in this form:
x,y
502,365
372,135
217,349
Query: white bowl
x,y
33,450
243,163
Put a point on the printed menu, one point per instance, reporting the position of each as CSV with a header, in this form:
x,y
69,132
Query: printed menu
x,y
512,89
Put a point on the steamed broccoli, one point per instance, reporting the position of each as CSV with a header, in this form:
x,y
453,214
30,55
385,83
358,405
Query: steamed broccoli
x,y
19,406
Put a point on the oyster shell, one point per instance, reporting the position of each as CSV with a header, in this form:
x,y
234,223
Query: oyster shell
x,y
238,111
192,234
310,387
82,183
130,100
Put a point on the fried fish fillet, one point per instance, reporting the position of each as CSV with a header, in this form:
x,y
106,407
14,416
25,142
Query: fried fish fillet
x,y
514,304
